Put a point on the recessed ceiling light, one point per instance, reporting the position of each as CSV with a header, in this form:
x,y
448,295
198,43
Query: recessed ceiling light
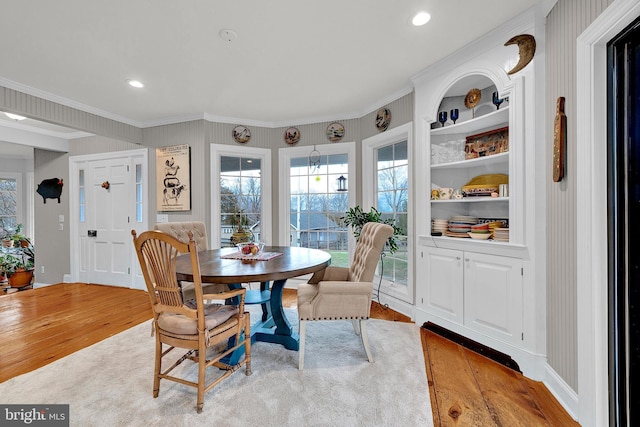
x,y
14,116
135,83
420,18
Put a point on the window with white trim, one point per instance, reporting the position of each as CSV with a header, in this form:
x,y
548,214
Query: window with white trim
x,y
10,201
317,186
240,186
386,185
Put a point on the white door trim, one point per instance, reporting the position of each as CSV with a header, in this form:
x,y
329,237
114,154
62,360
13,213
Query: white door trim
x,y
591,203
75,163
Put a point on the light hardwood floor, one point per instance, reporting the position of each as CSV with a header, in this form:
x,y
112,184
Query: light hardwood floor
x,y
43,325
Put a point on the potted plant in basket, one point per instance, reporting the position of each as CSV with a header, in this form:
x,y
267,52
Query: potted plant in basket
x,y
357,218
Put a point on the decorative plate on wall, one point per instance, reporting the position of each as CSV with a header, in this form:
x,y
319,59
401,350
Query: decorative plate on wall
x,y
383,119
241,134
335,132
292,135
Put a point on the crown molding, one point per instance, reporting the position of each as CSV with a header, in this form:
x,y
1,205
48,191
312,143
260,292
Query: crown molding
x,y
196,116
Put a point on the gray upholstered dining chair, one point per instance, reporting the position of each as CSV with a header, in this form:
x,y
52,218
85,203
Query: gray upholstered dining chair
x,y
180,231
342,293
191,327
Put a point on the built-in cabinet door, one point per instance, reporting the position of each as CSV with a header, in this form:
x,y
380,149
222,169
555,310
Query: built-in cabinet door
x,y
442,269
493,296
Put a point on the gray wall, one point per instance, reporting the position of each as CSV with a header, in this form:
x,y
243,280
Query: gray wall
x,y
51,244
566,21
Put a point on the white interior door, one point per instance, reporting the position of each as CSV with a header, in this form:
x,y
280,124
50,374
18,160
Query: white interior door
x,y
109,200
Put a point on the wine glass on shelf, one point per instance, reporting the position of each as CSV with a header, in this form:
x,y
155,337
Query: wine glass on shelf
x,y
442,117
454,115
496,100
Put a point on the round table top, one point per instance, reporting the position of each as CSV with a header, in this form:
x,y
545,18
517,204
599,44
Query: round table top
x,y
292,263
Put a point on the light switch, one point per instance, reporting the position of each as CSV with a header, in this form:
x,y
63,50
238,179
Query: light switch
x,y
61,226
162,218
60,218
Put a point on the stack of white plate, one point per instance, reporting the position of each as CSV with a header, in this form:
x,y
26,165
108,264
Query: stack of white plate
x,y
501,234
441,225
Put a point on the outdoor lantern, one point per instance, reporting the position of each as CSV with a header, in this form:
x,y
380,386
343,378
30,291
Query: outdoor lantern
x,y
342,183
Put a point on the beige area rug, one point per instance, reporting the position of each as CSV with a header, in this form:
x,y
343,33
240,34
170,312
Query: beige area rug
x,y
110,383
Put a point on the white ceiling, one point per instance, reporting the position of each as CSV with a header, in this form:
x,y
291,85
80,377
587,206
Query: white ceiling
x,y
292,62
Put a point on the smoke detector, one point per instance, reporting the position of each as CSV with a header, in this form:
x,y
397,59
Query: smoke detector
x,y
228,35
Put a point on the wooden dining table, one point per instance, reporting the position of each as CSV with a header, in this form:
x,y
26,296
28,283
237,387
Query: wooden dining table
x,y
272,274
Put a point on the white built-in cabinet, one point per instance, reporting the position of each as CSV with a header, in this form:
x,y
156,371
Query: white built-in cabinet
x,y
481,292
487,291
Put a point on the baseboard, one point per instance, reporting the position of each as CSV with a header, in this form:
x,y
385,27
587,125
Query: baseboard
x,y
37,285
496,356
563,393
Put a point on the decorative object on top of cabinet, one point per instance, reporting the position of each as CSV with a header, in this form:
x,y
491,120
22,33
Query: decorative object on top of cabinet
x,y
472,99
487,143
559,140
383,119
455,113
335,132
241,134
292,135
442,117
496,100
526,49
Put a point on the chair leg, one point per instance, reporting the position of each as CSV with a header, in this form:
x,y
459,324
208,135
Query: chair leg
x,y
247,344
201,371
303,329
356,326
157,367
365,339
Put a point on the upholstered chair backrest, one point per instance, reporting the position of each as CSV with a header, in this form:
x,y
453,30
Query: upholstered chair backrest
x,y
372,239
179,230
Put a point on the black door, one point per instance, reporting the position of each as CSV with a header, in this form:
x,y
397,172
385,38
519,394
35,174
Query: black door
x,y
624,226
